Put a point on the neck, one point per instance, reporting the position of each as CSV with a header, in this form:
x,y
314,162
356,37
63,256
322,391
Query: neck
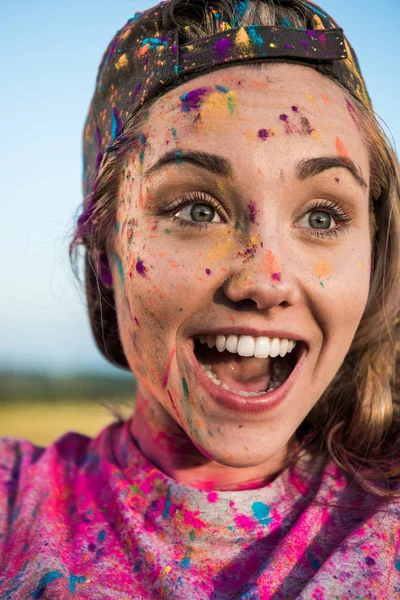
x,y
170,449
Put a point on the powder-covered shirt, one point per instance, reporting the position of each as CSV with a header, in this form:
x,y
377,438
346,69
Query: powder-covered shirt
x,y
95,519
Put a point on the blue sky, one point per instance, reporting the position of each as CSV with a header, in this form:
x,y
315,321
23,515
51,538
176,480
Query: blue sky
x,y
49,60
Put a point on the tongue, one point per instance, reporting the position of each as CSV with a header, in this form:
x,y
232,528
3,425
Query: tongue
x,y
241,374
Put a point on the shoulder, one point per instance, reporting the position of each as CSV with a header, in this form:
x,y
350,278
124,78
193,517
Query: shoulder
x,y
25,467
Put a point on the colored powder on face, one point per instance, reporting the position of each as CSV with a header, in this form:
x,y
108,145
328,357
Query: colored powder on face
x,y
271,263
165,379
264,134
174,134
140,268
120,267
276,276
221,248
117,227
337,179
185,388
220,88
325,99
261,512
208,271
216,107
289,128
295,109
341,148
352,113
323,269
174,405
306,127
178,155
252,212
192,100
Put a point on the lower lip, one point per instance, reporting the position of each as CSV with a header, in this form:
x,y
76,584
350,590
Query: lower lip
x,y
250,404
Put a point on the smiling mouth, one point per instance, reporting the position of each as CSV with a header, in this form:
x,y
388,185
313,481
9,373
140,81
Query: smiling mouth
x,y
246,376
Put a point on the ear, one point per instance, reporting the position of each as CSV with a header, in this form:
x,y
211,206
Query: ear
x,y
103,268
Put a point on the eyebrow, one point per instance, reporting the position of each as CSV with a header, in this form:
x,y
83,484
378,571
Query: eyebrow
x,y
221,166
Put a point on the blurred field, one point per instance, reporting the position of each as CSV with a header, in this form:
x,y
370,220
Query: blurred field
x,y
40,408
42,423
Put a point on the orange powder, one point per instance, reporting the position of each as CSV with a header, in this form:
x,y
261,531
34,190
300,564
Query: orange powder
x,y
341,148
323,269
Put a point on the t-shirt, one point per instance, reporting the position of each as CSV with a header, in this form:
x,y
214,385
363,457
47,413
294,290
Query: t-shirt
x,y
95,519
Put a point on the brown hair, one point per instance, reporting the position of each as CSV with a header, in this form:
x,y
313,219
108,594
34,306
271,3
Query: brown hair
x,y
357,419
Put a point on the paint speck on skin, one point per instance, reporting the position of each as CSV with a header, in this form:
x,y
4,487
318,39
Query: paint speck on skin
x,y
166,374
185,388
208,272
341,148
337,179
323,269
353,114
141,269
276,276
192,100
360,265
120,267
261,512
252,212
264,134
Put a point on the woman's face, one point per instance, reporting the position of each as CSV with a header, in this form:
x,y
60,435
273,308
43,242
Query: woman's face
x,y
259,256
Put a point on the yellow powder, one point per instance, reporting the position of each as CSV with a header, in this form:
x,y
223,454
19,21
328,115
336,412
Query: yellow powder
x,y
242,38
217,106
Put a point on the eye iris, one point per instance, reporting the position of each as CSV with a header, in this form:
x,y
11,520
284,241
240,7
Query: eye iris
x,y
321,218
203,211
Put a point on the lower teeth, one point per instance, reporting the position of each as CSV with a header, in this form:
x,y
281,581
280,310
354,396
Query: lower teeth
x,y
274,383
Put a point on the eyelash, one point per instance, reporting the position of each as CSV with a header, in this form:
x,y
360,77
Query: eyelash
x,y
336,210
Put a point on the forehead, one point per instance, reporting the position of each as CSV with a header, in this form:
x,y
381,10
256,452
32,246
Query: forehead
x,y
240,90
269,115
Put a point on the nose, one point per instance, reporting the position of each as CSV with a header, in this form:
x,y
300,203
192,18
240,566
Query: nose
x,y
261,281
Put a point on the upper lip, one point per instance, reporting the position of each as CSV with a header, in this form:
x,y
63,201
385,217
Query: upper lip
x,y
271,333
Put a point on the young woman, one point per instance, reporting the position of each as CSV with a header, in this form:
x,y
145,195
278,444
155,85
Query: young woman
x,y
242,231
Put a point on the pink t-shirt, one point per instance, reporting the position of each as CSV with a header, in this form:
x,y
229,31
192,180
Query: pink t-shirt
x,y
95,519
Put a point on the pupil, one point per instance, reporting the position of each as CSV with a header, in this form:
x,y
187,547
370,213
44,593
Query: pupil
x,y
203,211
322,218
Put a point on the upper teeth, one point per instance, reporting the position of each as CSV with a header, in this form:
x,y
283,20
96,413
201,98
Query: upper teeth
x,y
245,345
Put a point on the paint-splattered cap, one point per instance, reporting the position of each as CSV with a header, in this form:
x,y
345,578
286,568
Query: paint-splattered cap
x,y
152,54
